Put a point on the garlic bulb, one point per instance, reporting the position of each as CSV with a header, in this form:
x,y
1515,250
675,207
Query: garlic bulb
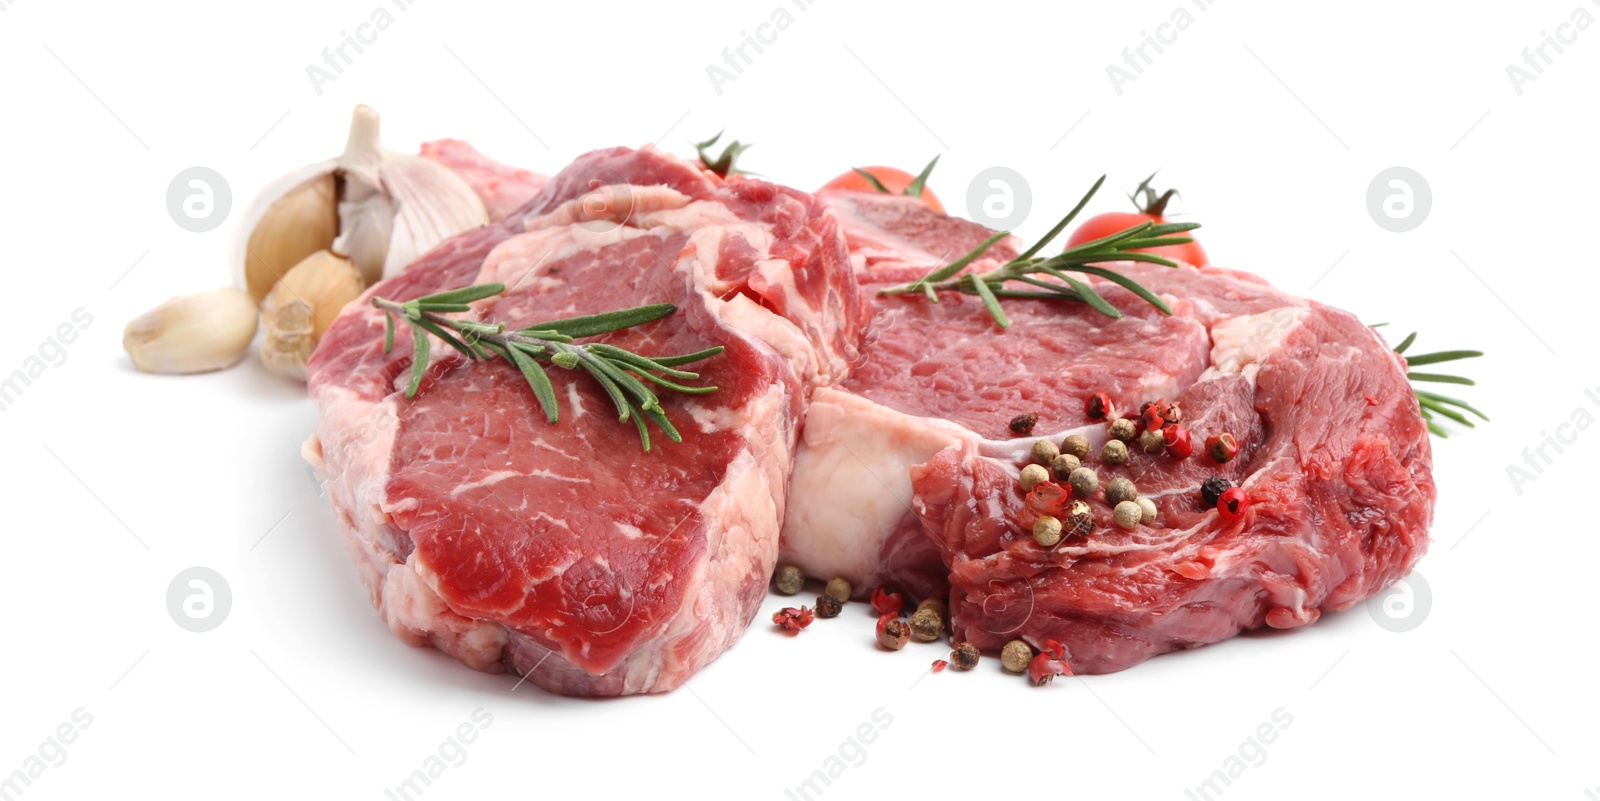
x,y
300,308
192,334
379,209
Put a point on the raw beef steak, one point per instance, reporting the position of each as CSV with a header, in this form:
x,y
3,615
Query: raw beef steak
x,y
564,552
502,189
907,471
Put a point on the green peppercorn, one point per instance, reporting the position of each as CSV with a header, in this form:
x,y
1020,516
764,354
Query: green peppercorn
x,y
1016,656
1114,453
1147,510
1063,465
964,657
838,589
1031,475
1127,514
1084,481
789,580
1123,429
1045,451
1047,531
829,606
1077,445
1120,489
926,625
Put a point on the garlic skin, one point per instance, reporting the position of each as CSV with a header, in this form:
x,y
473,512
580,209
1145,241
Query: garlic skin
x,y
192,334
302,221
300,308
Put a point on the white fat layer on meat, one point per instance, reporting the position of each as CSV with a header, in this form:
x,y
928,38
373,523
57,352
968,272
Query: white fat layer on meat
x,y
498,476
574,401
1241,344
853,470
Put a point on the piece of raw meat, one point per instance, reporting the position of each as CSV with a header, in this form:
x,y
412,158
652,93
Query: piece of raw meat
x,y
502,189
564,552
906,473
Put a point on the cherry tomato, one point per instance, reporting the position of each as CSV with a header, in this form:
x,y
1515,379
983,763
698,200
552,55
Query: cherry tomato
x,y
894,180
1151,209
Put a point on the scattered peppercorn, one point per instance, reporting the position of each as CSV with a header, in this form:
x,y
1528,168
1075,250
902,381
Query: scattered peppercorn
x,y
1147,510
1023,424
1212,488
1152,441
838,589
1150,415
893,632
1127,514
1045,451
1031,475
1047,531
1232,503
1114,453
1123,429
1063,465
1077,445
1120,489
926,625
1080,523
1222,447
1170,412
1016,655
939,665
936,604
829,606
789,580
791,619
965,656
1098,406
887,602
1176,438
1084,481
1046,498
1043,668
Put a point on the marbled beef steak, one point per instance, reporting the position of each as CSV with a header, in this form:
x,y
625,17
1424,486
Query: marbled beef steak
x,y
564,552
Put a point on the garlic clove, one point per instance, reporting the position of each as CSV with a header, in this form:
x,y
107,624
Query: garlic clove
x,y
294,217
432,204
300,308
367,226
192,334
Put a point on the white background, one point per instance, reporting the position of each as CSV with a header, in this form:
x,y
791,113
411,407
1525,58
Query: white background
x,y
1271,117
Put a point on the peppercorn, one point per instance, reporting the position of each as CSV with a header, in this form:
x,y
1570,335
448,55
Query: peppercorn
x,y
1016,656
1062,466
1084,481
1045,452
1176,438
1123,429
936,604
1127,514
1080,522
1150,415
1147,510
789,580
1170,412
893,632
829,606
791,619
965,656
1032,475
1120,489
939,665
1077,445
1232,503
887,602
1047,531
1098,406
1114,453
1044,667
1212,488
1023,424
1152,441
926,625
1222,447
838,589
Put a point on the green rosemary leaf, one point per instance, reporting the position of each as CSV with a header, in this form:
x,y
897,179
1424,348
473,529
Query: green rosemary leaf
x,y
1024,294
430,327
872,179
1446,411
463,295
644,430
634,359
1436,398
1442,356
538,381
614,392
1088,294
1441,379
605,322
419,360
990,301
1073,262
647,399
1128,284
664,424
1059,289
956,266
1106,242
388,332
1377,325
1061,226
1405,343
1437,431
914,188
444,308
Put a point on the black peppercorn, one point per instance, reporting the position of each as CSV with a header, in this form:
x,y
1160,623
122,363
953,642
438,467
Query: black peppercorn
x,y
1212,489
828,606
1023,423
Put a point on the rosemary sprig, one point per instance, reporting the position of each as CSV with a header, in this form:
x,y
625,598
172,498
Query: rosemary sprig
x,y
617,370
1432,403
914,189
1031,270
722,165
